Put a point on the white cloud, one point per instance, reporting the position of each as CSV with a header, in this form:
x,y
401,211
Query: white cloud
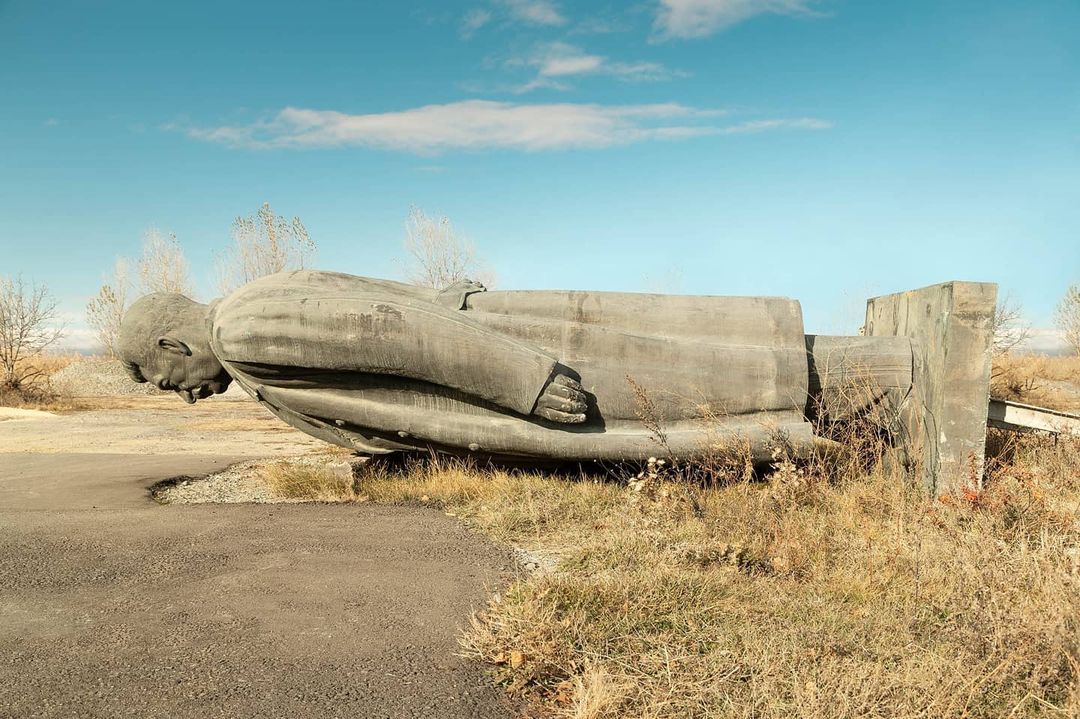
x,y
474,20
558,60
506,13
535,12
485,124
797,123
698,18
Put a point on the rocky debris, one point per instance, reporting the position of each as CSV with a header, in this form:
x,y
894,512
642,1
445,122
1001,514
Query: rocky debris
x,y
106,377
536,560
239,484
98,377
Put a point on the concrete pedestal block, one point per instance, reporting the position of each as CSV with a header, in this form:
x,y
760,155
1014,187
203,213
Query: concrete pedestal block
x,y
943,419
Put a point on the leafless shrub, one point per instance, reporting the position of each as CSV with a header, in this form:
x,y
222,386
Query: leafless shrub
x,y
1009,328
263,244
438,255
162,267
106,310
649,415
28,325
1068,317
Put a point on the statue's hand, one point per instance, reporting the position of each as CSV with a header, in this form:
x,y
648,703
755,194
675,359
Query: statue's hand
x,y
563,400
455,295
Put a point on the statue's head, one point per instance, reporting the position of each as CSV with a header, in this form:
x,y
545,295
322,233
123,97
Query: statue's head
x,y
165,339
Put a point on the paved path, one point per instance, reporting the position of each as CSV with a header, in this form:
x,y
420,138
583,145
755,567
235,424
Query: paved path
x,y
112,606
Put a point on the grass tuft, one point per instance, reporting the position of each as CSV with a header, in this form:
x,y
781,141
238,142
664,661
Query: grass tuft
x,y
314,481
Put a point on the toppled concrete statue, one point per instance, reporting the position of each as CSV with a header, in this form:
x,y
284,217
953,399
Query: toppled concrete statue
x,y
381,366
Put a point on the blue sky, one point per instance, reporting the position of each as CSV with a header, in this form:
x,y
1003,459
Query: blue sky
x,y
826,150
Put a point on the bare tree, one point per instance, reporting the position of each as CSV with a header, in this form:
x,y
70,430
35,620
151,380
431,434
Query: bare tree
x,y
28,325
438,256
1009,329
1068,317
263,244
105,311
162,265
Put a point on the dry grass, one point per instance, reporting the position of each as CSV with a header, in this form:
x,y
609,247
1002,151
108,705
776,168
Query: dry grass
x,y
308,479
847,594
40,395
1052,382
831,588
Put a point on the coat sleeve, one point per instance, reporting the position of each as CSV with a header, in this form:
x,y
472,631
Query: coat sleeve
x,y
383,333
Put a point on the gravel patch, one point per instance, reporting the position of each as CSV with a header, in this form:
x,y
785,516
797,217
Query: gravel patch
x,y
98,377
536,560
239,484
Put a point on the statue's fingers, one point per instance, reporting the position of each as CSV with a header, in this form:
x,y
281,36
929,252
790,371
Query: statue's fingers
x,y
571,406
562,380
555,415
566,392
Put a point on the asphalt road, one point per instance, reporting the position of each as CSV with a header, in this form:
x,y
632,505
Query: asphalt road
x,y
113,606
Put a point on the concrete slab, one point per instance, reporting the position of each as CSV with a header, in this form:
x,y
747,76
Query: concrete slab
x,y
944,417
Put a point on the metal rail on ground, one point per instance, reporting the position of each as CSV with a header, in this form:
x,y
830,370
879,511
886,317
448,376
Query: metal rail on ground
x,y
1028,418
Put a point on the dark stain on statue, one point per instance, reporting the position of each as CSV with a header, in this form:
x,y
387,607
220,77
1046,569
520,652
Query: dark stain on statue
x,y
386,320
387,311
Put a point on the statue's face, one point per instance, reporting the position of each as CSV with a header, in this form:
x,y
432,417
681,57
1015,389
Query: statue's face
x,y
193,373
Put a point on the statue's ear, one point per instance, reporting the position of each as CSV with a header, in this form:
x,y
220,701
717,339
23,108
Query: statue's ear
x,y
171,344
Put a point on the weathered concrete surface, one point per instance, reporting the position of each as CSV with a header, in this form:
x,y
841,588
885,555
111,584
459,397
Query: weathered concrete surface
x,y
380,366
849,375
950,326
111,605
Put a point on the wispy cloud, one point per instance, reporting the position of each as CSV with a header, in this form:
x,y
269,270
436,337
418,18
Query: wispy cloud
x,y
474,20
484,124
508,13
601,25
535,12
698,18
796,123
558,60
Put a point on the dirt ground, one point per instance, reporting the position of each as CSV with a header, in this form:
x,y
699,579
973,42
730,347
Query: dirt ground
x,y
114,605
154,425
